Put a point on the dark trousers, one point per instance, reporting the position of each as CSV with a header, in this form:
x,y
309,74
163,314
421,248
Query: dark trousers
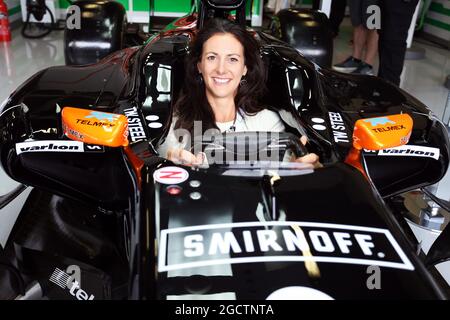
x,y
396,16
337,13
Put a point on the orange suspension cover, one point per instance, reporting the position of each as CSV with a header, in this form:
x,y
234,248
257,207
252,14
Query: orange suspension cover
x,y
382,132
95,127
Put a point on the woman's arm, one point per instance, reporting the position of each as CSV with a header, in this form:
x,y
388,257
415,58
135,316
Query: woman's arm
x,y
181,156
174,147
310,158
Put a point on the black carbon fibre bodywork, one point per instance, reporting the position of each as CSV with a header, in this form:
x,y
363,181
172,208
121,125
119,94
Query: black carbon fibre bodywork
x,y
132,239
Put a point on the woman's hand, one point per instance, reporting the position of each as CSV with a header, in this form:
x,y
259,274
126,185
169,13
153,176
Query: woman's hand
x,y
310,158
181,156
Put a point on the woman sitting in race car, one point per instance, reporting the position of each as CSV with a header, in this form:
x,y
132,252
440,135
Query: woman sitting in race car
x,y
224,79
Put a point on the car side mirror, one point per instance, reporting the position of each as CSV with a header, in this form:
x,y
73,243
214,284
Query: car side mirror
x,y
94,127
378,134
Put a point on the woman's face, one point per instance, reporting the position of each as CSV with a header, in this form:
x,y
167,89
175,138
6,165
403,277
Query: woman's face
x,y
222,65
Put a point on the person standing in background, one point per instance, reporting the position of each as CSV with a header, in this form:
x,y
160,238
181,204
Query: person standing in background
x,y
365,40
396,16
337,13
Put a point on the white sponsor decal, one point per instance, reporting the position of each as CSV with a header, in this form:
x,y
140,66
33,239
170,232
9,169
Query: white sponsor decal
x,y
298,293
136,130
339,131
93,148
251,242
56,146
319,127
318,120
170,175
66,281
410,151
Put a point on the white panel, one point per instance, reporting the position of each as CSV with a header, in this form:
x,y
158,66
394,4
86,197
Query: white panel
x,y
50,4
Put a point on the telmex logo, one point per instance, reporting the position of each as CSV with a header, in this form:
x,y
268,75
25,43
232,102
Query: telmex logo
x,y
65,281
95,123
252,242
56,146
390,128
73,132
105,119
384,121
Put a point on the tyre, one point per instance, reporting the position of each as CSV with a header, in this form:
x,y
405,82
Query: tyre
x,y
306,30
100,31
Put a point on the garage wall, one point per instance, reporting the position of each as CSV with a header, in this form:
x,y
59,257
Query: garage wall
x,y
13,10
437,22
137,10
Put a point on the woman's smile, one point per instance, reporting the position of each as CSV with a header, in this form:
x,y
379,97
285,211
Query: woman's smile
x,y
221,81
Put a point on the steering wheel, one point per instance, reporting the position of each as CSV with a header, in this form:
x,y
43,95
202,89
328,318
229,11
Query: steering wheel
x,y
223,148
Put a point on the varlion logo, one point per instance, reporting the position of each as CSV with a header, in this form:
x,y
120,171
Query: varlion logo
x,y
56,146
65,281
408,151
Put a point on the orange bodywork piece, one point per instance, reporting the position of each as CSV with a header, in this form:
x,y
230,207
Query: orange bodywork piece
x,y
378,134
137,164
382,132
95,127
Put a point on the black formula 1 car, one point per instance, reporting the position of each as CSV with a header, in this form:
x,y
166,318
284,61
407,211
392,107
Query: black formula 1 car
x,y
108,218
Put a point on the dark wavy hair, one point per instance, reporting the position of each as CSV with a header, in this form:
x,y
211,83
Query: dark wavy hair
x,y
193,104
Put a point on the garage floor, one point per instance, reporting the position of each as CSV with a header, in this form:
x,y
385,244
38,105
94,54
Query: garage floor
x,y
23,57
